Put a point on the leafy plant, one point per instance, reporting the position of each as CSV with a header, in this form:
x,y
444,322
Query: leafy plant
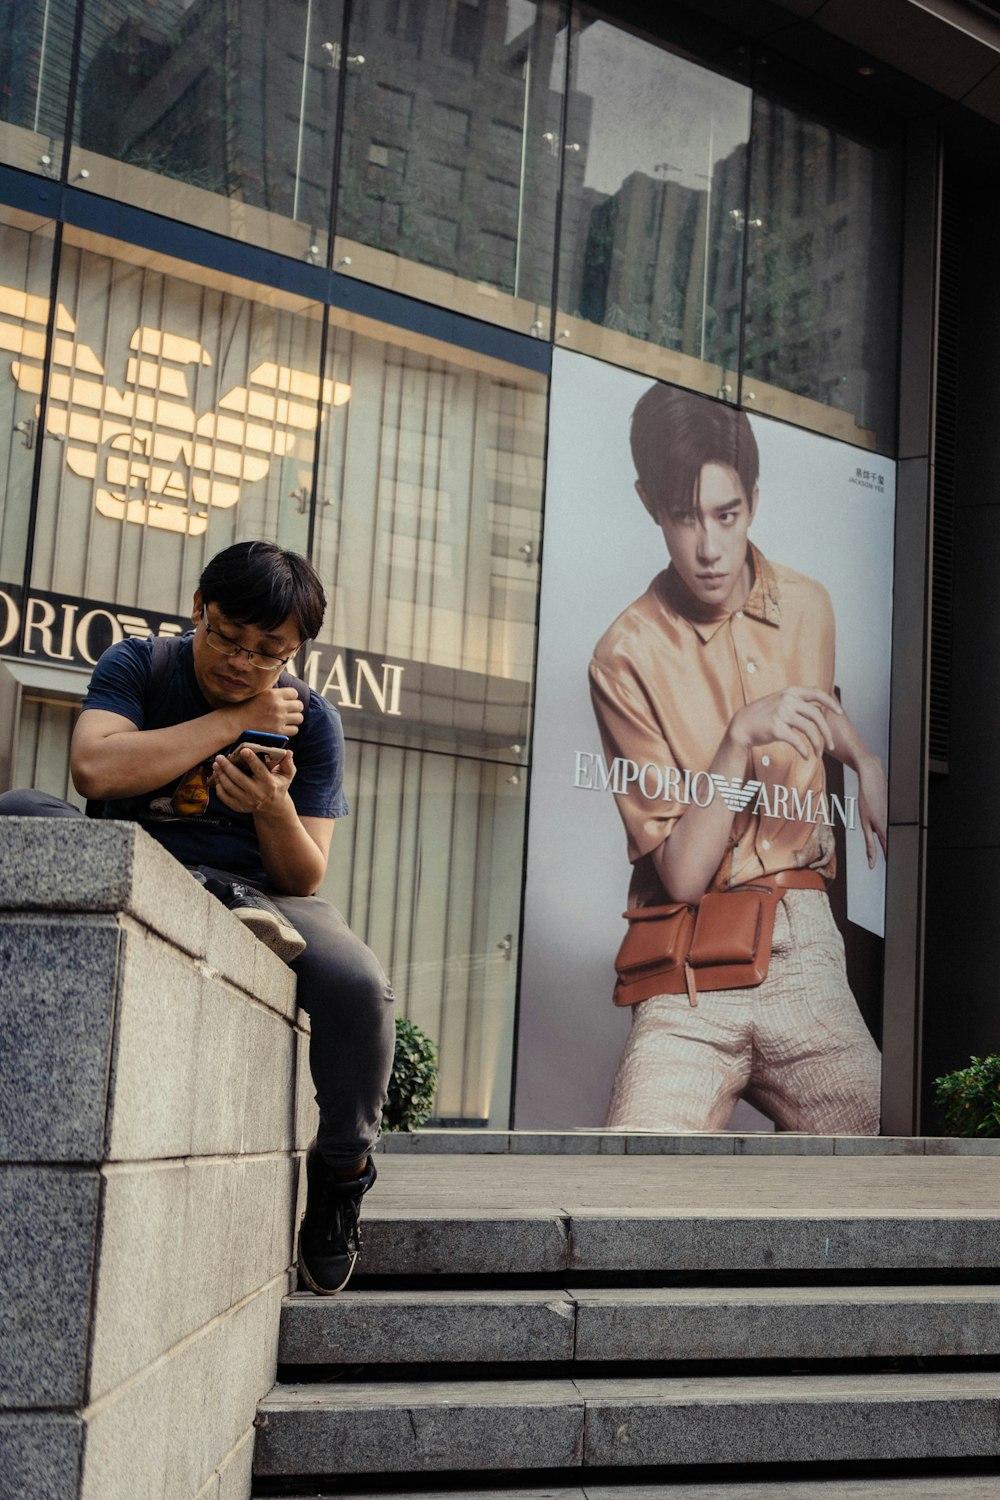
x,y
969,1098
414,1079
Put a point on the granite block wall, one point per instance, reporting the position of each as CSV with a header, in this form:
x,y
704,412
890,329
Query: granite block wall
x,y
150,1121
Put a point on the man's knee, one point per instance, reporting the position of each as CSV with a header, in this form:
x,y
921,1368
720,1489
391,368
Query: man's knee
x,y
342,974
25,802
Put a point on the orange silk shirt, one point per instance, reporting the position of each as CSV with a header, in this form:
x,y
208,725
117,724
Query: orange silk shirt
x,y
666,679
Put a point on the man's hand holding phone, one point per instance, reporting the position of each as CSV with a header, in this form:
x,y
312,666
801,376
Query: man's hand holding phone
x,y
256,774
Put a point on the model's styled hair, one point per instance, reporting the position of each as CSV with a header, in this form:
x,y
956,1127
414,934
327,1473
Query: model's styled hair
x,y
260,583
675,434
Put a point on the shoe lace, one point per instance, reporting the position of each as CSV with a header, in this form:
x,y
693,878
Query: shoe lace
x,y
344,1215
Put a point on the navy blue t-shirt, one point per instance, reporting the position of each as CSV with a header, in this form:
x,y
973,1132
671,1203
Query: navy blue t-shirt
x,y
185,816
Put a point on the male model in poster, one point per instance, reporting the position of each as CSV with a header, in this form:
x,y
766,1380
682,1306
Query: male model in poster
x,y
725,666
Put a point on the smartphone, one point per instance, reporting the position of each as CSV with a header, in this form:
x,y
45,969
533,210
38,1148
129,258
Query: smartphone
x,y
268,747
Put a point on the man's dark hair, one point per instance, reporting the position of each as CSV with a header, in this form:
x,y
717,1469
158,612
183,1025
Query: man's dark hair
x,y
260,583
675,434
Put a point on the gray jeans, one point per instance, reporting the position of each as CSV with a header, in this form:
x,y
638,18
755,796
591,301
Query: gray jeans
x,y
340,983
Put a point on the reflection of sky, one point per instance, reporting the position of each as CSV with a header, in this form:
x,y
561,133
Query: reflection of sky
x,y
652,109
520,15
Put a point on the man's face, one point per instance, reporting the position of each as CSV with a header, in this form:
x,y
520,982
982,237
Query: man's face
x,y
227,679
708,545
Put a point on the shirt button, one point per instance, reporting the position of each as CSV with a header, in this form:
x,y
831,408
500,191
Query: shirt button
x,y
765,760
765,843
751,666
739,614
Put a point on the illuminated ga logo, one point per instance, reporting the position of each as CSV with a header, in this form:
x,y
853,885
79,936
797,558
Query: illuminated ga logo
x,y
151,458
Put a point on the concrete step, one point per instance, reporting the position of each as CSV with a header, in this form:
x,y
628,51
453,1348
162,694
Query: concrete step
x,y
512,1214
426,1327
947,1487
435,1426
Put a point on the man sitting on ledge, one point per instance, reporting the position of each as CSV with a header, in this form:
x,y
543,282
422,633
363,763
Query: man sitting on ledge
x,y
151,744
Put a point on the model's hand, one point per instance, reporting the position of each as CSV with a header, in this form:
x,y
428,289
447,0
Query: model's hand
x,y
873,804
277,711
259,792
796,715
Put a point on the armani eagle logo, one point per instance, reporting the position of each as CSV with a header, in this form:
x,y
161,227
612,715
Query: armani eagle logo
x,y
150,455
736,794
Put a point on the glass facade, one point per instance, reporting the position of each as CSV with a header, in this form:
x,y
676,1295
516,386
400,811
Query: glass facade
x,y
491,156
654,198
428,196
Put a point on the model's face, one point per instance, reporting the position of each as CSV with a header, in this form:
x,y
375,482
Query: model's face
x,y
708,545
226,679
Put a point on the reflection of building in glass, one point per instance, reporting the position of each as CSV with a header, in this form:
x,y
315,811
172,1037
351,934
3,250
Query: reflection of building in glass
x,y
820,312
452,140
191,95
644,270
36,76
813,308
450,146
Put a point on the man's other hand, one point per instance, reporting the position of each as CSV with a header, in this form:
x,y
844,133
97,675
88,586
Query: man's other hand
x,y
796,716
277,711
249,787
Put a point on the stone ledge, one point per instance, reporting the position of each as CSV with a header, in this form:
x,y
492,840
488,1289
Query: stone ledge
x,y
495,1244
148,1121
440,1141
372,1429
86,866
435,1426
788,1419
428,1327
949,1487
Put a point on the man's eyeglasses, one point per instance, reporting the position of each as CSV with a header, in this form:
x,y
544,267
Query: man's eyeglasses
x,y
228,647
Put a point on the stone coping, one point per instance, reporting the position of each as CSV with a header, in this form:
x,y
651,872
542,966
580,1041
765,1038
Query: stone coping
x,y
463,1142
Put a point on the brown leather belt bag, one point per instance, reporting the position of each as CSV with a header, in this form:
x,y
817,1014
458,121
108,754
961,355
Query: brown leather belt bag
x,y
723,943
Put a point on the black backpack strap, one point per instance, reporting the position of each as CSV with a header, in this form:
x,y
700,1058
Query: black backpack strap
x,y
165,652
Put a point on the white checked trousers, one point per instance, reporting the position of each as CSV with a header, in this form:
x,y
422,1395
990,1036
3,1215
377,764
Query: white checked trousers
x,y
795,1046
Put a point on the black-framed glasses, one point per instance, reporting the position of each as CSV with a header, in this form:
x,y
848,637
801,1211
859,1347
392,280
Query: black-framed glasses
x,y
226,646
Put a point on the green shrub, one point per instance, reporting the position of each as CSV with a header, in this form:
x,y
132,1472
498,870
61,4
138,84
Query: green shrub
x,y
969,1098
414,1079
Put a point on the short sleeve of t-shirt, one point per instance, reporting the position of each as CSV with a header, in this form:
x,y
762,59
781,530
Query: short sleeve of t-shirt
x,y
120,680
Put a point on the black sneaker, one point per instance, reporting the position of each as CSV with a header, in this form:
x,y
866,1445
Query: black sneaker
x,y
330,1235
262,917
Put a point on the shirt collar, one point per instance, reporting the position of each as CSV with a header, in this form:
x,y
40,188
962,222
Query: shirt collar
x,y
762,603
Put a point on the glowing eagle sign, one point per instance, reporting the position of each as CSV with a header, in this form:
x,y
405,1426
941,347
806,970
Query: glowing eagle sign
x,y
150,457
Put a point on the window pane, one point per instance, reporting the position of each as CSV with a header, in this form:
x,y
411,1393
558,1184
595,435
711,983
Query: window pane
x,y
25,282
822,278
179,418
654,173
448,180
223,117
35,42
44,730
427,869
428,528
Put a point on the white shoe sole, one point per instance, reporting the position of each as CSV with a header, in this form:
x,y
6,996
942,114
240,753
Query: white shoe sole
x,y
282,939
321,1291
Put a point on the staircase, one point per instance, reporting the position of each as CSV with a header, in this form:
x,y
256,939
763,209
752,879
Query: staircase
x,y
801,1323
